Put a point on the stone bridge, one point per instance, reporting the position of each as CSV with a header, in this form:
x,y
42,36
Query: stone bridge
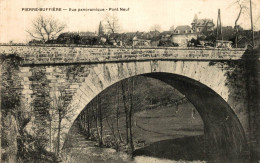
x,y
216,81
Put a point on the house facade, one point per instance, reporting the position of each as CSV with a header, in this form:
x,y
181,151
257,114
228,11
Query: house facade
x,y
199,25
182,35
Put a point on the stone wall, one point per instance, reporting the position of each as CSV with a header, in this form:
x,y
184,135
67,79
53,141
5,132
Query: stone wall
x,y
41,85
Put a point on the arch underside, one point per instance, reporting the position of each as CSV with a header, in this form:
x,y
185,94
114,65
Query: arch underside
x,y
223,131
221,125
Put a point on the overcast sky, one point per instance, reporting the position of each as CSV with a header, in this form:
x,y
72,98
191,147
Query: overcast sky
x,y
141,16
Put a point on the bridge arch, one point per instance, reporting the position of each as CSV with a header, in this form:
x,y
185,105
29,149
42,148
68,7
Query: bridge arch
x,y
202,84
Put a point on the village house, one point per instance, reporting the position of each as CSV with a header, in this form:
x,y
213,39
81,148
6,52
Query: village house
x,y
199,25
182,35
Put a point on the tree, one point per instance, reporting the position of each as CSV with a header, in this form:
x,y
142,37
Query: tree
x,y
45,28
155,31
172,28
131,94
113,113
96,118
111,127
242,5
118,112
100,120
112,24
127,93
88,121
60,111
126,110
156,27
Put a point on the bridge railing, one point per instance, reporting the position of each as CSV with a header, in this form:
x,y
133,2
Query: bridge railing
x,y
112,46
78,54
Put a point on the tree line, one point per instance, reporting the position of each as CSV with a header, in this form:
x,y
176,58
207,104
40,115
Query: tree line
x,y
98,112
111,122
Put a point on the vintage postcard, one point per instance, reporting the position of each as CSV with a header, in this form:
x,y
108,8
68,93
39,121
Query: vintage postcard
x,y
138,81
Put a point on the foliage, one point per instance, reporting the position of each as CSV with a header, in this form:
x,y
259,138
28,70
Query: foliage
x,y
31,149
10,99
167,43
67,38
195,42
42,99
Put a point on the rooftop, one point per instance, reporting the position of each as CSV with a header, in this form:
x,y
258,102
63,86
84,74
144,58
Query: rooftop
x,y
183,29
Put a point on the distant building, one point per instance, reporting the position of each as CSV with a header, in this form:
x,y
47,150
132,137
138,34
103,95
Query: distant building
x,y
183,29
182,35
199,25
100,29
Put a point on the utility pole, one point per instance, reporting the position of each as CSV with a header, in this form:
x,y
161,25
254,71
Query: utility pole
x,y
252,25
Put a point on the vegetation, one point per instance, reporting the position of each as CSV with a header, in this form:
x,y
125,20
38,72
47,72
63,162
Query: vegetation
x,y
167,43
116,118
10,108
242,7
112,24
45,28
17,143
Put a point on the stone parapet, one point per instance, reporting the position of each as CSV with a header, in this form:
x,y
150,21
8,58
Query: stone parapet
x,y
78,54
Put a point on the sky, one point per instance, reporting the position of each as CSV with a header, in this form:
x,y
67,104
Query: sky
x,y
142,14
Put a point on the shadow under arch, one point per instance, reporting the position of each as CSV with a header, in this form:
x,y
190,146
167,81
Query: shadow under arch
x,y
224,134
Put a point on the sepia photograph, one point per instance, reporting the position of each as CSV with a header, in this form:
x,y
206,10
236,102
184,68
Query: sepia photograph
x,y
130,81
